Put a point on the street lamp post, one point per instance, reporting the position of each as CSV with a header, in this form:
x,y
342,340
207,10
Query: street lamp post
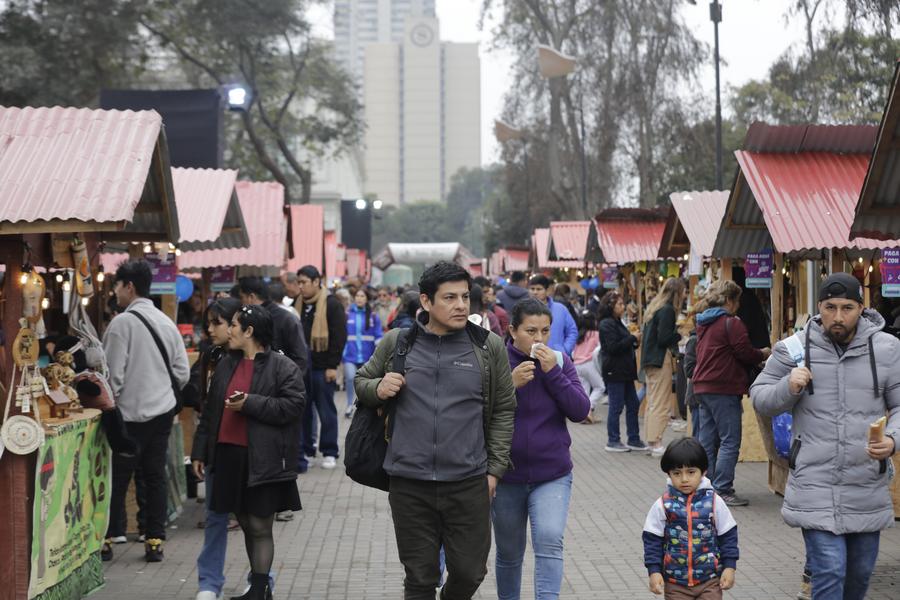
x,y
715,15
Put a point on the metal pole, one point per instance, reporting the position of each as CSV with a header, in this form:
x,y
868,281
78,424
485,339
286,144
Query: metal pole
x,y
583,163
715,13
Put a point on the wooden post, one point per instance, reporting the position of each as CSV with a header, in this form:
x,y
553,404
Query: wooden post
x,y
867,281
693,280
777,298
170,306
726,268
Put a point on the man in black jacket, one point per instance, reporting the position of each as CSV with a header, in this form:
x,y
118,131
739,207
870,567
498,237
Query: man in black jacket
x,y
325,326
288,338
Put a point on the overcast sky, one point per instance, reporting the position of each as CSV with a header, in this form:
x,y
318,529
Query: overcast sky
x,y
752,35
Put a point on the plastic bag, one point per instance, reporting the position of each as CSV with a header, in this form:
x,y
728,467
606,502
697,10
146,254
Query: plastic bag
x,y
781,431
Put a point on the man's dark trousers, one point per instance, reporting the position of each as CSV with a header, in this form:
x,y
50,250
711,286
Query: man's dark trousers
x,y
321,400
452,514
152,441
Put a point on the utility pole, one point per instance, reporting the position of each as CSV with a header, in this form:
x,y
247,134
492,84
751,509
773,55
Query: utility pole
x,y
715,14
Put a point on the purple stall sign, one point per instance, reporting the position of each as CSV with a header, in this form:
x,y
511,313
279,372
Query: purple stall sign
x,y
758,269
164,273
610,275
221,279
890,272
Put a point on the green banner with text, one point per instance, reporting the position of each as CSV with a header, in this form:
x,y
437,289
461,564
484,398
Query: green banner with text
x,y
71,510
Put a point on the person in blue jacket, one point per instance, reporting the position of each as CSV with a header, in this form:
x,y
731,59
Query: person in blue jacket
x,y
563,331
363,333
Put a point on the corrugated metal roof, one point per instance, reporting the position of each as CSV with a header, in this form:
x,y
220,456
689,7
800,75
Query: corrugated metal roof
x,y
307,233
208,209
625,240
262,204
842,139
568,240
330,254
541,244
807,199
700,214
515,260
79,165
878,209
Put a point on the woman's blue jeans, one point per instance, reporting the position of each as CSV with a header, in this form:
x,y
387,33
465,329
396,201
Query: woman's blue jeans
x,y
546,505
622,395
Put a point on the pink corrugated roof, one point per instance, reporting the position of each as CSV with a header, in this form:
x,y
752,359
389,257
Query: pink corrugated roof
x,y
700,214
808,199
625,241
516,260
74,163
330,254
568,239
202,197
307,232
263,206
541,241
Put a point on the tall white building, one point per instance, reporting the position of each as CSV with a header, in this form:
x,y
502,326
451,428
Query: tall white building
x,y
422,100
361,22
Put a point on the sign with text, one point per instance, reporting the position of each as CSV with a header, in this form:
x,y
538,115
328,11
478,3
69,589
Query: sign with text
x,y
164,271
221,279
610,278
758,268
890,272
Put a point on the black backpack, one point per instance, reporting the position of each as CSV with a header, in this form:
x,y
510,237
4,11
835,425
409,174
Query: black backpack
x,y
365,446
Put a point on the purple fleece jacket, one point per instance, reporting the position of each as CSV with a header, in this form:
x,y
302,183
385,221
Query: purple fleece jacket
x,y
540,445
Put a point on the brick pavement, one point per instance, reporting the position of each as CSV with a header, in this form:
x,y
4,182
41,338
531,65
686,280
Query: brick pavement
x,y
342,544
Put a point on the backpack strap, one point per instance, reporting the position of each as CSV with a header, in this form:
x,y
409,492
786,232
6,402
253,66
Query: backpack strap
x,y
176,389
405,340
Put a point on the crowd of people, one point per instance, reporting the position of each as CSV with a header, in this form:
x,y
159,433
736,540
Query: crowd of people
x,y
479,440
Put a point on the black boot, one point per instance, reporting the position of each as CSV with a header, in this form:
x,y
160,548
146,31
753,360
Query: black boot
x,y
259,588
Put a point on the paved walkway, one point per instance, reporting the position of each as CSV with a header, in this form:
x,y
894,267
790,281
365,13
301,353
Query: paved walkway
x,y
342,544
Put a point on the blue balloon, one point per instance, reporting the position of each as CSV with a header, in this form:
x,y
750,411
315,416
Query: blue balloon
x,y
184,288
595,283
502,281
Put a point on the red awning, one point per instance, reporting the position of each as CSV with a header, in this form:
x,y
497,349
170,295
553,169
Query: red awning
x,y
307,236
808,199
262,204
568,240
515,260
626,241
330,255
541,244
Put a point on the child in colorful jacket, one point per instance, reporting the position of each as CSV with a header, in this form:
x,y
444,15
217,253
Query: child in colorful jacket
x,y
690,538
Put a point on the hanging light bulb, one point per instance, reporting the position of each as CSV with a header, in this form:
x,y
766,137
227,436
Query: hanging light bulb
x,y
177,251
148,248
45,303
67,286
59,278
85,301
100,277
23,278
687,257
870,268
860,260
171,247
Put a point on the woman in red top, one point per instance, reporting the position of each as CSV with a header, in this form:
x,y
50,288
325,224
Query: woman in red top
x,y
249,436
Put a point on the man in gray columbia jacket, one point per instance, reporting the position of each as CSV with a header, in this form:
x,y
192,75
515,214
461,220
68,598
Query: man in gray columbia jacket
x,y
837,377
452,431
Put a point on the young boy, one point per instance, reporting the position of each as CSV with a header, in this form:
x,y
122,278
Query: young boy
x,y
690,537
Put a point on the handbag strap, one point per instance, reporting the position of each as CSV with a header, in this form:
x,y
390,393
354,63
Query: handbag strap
x,y
161,348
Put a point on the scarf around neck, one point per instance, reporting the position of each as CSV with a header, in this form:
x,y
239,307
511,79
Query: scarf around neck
x,y
319,335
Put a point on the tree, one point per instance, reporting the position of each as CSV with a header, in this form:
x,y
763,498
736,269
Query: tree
x,y
302,104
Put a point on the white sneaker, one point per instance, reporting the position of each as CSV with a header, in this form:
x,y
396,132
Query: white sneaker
x,y
207,595
119,539
329,462
658,451
679,426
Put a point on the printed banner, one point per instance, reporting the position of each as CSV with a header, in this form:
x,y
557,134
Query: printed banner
x,y
165,273
71,511
758,268
890,272
221,279
610,278
695,265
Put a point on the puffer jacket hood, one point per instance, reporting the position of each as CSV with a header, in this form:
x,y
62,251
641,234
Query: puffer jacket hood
x,y
511,295
710,314
833,484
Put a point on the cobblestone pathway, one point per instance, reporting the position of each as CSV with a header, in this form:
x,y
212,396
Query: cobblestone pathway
x,y
342,544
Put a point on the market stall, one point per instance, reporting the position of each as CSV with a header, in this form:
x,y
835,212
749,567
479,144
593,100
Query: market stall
x,y
68,179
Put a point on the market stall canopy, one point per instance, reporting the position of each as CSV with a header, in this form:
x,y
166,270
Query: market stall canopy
x,y
796,191
70,170
507,260
307,236
878,210
540,246
331,246
262,204
694,220
208,209
628,235
427,253
573,241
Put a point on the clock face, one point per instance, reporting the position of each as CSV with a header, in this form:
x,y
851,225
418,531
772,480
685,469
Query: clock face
x,y
421,35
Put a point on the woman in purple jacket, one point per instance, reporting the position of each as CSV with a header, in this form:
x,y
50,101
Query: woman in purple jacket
x,y
538,487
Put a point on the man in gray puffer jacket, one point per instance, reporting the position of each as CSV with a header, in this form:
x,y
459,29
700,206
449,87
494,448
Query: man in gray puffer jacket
x,y
837,377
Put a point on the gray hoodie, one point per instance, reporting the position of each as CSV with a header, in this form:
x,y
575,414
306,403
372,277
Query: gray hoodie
x,y
833,484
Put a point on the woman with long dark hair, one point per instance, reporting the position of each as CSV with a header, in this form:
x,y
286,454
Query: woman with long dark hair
x,y
538,486
363,334
617,351
255,400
